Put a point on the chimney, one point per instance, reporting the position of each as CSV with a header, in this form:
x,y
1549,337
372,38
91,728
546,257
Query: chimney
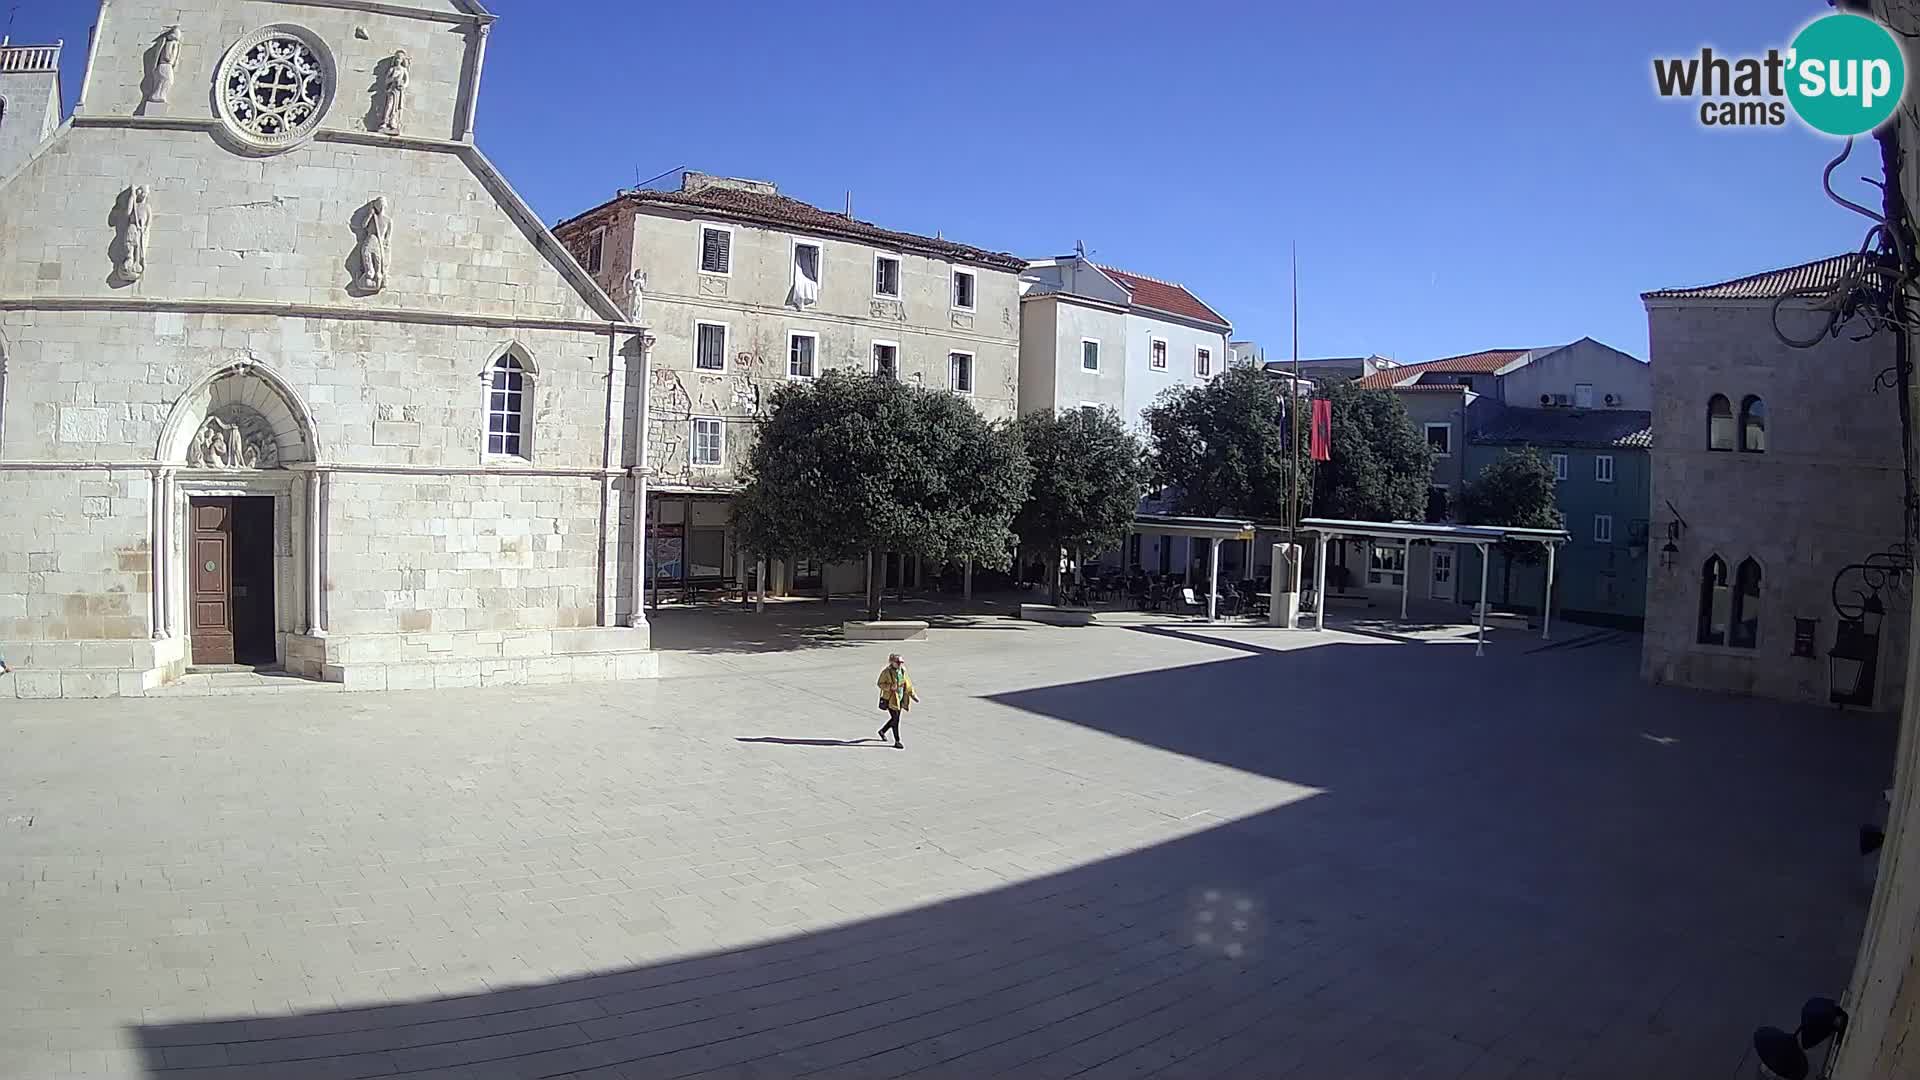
x,y
691,182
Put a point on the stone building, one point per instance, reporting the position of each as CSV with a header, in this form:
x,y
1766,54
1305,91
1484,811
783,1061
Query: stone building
x,y
294,377
29,99
747,289
1776,499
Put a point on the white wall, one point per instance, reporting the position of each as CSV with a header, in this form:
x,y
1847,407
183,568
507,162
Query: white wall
x,y
1143,382
1607,370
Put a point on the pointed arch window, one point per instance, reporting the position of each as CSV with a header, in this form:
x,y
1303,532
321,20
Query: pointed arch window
x,y
1753,425
509,395
1716,602
1744,631
1720,434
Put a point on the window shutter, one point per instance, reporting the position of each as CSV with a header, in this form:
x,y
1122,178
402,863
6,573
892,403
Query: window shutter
x,y
715,251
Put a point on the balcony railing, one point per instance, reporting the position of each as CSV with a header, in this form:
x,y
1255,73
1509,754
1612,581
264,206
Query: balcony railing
x,y
24,59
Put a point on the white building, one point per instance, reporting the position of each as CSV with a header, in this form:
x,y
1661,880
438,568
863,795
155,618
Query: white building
x,y
293,377
1092,336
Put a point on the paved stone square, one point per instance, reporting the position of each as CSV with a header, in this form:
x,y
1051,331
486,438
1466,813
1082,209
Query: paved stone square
x,y
1122,851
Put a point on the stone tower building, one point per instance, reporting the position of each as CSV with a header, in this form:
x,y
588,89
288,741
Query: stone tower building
x,y
294,377
29,99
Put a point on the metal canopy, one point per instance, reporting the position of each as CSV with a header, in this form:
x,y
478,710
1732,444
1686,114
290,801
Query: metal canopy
x,y
1410,532
1438,534
1198,527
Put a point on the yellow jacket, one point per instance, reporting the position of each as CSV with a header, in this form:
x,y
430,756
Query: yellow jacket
x,y
897,692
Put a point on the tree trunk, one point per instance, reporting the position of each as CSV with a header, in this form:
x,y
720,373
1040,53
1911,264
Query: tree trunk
x,y
875,565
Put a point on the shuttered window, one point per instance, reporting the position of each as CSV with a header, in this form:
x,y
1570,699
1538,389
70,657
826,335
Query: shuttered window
x,y
716,251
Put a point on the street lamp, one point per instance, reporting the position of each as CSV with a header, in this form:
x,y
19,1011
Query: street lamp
x,y
1855,655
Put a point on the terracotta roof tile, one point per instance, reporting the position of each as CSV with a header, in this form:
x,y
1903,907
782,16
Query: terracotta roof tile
x,y
781,212
1165,296
1485,362
1820,274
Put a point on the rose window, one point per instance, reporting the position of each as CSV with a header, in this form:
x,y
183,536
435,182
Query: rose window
x,y
275,85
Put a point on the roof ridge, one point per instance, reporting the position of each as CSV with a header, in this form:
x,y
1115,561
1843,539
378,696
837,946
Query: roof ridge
x,y
1761,275
1141,276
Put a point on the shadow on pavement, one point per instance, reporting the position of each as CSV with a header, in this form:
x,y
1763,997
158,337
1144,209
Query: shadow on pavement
x,y
814,742
1503,875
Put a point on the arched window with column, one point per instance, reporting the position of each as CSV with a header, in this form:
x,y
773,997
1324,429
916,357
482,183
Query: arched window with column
x,y
1720,433
1715,602
1743,631
509,411
1753,425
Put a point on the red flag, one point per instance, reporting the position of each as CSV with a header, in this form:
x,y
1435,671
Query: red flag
x,y
1322,446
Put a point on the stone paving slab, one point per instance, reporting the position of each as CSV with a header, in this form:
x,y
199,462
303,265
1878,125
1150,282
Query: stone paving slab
x,y
1162,849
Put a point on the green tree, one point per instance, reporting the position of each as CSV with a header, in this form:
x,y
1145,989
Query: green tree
x,y
1381,466
1087,479
848,465
1221,447
1518,490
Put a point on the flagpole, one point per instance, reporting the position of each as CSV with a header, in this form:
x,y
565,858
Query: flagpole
x,y
1295,405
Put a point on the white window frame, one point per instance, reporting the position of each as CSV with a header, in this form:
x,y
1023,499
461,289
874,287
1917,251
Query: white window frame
x,y
1084,342
1162,365
899,276
693,442
1559,467
726,342
873,357
596,250
1198,352
1390,577
1603,468
971,373
810,335
1603,528
1426,432
700,249
1577,403
972,277
819,261
529,383
1089,406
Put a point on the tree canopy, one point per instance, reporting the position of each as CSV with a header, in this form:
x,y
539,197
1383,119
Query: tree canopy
x,y
1221,448
1087,479
1518,490
848,464
1381,465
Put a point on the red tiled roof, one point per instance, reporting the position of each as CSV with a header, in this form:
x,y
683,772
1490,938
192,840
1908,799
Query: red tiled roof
x,y
1819,274
1165,296
1485,362
780,211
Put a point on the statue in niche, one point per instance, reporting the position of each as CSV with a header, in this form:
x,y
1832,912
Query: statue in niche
x,y
166,54
372,250
223,445
393,91
133,235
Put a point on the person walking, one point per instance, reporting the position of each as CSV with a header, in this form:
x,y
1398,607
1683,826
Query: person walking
x,y
896,696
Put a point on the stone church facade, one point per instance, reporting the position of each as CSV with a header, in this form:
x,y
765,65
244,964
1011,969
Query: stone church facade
x,y
290,375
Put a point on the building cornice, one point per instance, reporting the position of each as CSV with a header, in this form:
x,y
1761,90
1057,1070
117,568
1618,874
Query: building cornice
x,y
426,316
475,15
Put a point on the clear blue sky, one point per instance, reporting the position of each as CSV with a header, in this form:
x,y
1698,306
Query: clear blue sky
x,y
1457,176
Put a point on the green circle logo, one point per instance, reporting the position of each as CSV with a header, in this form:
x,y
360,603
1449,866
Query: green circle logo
x,y
1848,74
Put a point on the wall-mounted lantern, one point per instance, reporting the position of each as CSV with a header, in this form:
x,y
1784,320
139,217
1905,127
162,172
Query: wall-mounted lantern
x,y
1852,663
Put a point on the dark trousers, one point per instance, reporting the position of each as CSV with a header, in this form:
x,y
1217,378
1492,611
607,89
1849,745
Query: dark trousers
x,y
893,725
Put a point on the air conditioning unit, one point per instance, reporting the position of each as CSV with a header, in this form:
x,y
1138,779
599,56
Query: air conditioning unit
x,y
1613,399
1556,399
1546,399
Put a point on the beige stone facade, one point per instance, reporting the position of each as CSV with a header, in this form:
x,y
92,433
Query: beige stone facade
x,y
1823,495
302,313
648,248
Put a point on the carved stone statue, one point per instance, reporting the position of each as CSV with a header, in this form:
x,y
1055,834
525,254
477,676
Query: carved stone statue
x,y
373,248
160,80
133,235
393,93
223,445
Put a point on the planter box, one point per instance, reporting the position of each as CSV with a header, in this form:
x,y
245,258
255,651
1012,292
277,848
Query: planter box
x,y
1057,616
885,630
